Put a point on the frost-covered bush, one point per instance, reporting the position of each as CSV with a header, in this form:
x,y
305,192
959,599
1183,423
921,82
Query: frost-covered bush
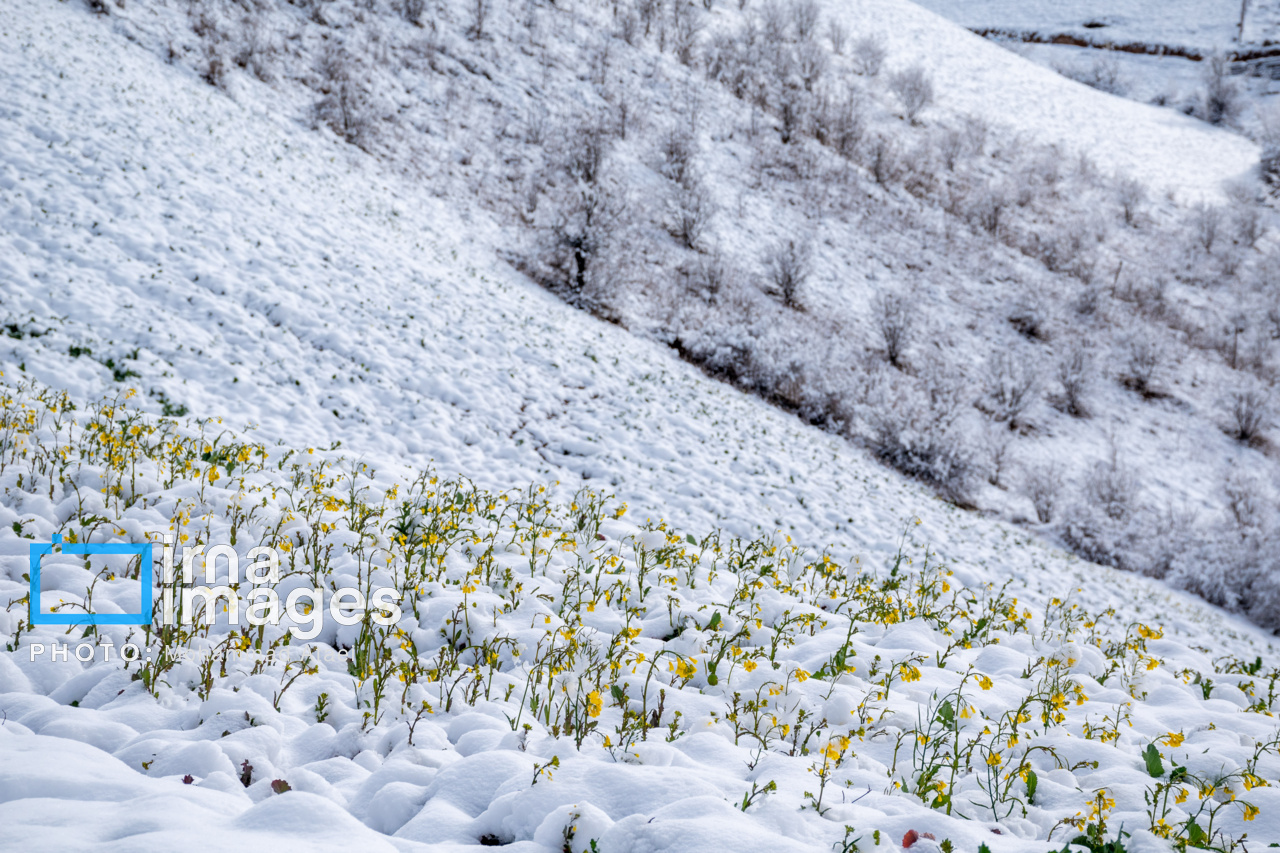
x,y
918,427
1144,357
882,158
690,212
804,18
838,119
1101,73
1249,414
1220,101
1075,375
1010,386
1131,193
895,318
1041,484
914,89
346,102
1105,524
1205,221
868,55
788,265
1269,166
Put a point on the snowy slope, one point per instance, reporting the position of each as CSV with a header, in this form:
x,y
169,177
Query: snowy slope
x,y
1193,24
1169,151
250,270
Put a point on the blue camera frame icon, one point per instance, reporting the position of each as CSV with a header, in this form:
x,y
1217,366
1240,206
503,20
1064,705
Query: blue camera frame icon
x,y
144,551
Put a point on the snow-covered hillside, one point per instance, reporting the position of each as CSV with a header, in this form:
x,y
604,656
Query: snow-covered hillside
x,y
227,261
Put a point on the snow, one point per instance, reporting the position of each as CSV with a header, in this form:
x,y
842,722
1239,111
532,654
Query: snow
x,y
271,277
1171,152
1192,24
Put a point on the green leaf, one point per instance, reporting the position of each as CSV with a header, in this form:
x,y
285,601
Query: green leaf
x,y
715,621
1155,766
689,538
1032,782
1195,835
619,695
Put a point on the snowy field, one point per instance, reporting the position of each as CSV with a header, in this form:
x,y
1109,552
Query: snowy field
x,y
219,257
1194,24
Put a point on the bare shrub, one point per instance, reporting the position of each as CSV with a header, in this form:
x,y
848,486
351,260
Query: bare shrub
x,y
1075,374
894,318
215,69
1041,484
789,267
811,64
1205,222
1249,414
868,55
1144,359
838,36
919,429
690,212
479,17
1131,193
882,159
773,22
1220,102
1112,487
678,150
804,18
919,173
583,150
1031,319
1244,499
988,209
345,104
998,444
588,250
711,276
1246,221
414,10
914,89
686,26
1269,166
838,121
1010,387
791,113
1102,73
256,51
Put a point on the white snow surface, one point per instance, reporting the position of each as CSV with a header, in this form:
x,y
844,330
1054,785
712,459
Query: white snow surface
x,y
1171,152
280,280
